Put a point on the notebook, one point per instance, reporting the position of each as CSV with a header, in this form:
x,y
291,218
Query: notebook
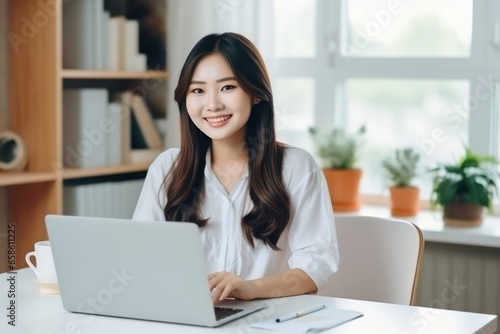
x,y
139,270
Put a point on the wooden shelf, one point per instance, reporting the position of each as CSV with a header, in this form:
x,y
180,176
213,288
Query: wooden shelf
x,y
90,74
36,85
112,170
15,178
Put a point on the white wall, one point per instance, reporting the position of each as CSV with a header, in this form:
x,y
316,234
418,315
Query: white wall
x,y
3,126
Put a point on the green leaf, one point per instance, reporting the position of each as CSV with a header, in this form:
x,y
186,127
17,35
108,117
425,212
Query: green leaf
x,y
467,180
337,147
401,167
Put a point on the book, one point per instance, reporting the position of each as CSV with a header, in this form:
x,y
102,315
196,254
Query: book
x,y
105,40
114,136
141,62
78,35
144,124
144,154
137,138
98,34
116,31
131,45
102,199
71,197
126,134
84,140
86,37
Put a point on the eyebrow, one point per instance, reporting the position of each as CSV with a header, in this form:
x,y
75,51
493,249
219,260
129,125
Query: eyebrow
x,y
218,80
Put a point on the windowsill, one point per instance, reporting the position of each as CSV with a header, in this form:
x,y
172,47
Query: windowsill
x,y
434,230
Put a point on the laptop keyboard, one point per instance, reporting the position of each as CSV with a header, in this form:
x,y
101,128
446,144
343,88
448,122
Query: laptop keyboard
x,y
224,312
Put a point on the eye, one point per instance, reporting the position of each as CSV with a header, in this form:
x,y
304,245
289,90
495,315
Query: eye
x,y
228,87
197,91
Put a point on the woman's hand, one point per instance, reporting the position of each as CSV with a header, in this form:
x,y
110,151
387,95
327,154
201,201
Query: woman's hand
x,y
226,285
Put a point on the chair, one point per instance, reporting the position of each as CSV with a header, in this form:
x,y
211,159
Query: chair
x,y
379,259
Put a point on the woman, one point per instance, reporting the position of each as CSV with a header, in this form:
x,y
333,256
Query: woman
x,y
263,208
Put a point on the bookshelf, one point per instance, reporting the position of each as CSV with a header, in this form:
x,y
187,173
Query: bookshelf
x,y
36,82
88,74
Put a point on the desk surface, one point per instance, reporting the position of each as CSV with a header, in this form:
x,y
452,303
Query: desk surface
x,y
39,313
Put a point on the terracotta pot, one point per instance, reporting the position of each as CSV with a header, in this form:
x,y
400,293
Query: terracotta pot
x,y
343,185
404,201
460,213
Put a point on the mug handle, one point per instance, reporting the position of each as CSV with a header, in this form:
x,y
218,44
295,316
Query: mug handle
x,y
28,261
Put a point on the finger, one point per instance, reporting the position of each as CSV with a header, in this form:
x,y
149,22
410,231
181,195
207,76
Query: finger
x,y
223,288
215,281
212,285
227,286
218,275
216,293
226,292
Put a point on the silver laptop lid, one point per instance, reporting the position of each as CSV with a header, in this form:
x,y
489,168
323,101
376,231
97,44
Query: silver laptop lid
x,y
142,270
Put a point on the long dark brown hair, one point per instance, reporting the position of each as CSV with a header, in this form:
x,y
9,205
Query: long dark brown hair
x,y
185,182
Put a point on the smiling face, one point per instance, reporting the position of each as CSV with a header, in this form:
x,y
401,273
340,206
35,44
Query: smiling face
x,y
216,102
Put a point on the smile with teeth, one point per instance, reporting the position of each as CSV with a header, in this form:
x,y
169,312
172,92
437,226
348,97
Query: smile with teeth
x,y
218,119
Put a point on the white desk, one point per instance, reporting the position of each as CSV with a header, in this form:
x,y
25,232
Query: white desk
x,y
44,314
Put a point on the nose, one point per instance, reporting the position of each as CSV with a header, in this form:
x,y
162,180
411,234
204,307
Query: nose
x,y
213,102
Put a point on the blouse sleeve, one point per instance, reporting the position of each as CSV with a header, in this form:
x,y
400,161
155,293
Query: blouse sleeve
x,y
312,235
152,198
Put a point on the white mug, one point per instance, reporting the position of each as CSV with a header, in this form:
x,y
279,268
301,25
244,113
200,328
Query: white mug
x,y
45,270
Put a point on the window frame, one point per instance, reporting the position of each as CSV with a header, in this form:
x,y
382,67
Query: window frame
x,y
330,70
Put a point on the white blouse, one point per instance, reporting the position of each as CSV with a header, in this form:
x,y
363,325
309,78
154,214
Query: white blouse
x,y
309,242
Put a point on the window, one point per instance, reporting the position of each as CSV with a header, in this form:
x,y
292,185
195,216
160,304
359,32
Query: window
x,y
414,72
409,28
496,120
294,26
407,112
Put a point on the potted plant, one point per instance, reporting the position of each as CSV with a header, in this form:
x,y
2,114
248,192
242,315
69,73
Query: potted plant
x,y
401,169
465,189
338,150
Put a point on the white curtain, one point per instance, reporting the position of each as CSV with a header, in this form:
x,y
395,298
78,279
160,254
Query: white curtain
x,y
190,20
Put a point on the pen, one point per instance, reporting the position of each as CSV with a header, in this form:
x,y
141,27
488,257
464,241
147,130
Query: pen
x,y
300,313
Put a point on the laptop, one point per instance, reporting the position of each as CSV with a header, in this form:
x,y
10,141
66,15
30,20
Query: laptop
x,y
136,269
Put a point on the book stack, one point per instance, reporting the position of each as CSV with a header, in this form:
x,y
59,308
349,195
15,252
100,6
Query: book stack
x,y
104,199
99,133
145,140
93,40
